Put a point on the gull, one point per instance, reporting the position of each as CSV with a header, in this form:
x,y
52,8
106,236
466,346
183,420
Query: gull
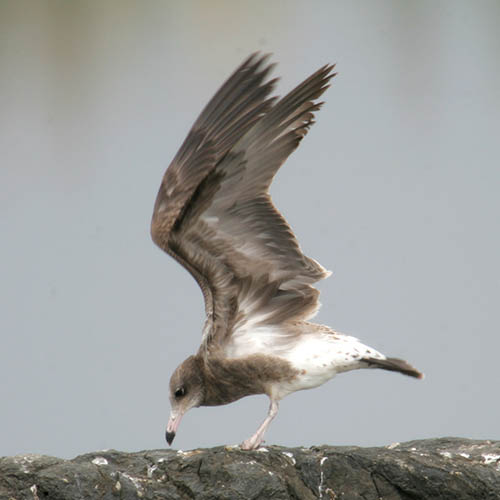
x,y
214,215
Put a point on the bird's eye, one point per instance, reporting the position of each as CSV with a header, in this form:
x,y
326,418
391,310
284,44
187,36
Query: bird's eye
x,y
179,392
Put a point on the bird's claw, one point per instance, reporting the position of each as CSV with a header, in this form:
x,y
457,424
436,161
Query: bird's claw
x,y
251,443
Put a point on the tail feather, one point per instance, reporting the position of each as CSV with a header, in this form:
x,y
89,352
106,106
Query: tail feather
x,y
395,365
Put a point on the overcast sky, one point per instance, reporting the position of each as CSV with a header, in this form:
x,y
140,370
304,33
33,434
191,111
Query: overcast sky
x,y
395,189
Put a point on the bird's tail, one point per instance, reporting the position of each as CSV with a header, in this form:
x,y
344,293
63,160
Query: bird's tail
x,y
395,365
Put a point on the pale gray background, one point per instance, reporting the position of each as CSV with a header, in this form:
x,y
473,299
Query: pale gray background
x,y
395,189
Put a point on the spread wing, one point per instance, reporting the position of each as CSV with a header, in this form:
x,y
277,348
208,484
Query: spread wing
x,y
214,214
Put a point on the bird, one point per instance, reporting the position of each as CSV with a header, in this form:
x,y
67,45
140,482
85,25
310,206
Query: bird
x,y
214,215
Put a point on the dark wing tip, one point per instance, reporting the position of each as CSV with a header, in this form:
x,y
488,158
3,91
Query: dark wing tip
x,y
253,63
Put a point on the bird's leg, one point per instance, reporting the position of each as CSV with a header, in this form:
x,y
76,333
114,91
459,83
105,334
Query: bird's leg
x,y
254,442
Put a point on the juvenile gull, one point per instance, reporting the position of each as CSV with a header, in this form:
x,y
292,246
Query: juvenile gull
x,y
214,215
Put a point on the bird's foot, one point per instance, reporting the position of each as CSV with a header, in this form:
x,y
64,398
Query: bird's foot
x,y
256,440
251,443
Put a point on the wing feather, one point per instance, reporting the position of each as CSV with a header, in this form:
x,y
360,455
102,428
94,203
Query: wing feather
x,y
215,216
233,110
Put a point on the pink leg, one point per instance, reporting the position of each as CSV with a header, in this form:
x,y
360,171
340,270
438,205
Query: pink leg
x,y
254,442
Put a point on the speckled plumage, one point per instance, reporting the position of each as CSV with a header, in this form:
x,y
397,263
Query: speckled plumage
x,y
214,215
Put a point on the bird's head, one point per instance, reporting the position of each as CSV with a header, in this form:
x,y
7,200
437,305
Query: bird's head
x,y
186,392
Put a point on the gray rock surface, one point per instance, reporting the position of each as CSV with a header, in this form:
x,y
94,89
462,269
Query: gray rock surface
x,y
447,468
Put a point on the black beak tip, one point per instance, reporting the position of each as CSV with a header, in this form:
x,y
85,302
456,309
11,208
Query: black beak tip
x,y
169,437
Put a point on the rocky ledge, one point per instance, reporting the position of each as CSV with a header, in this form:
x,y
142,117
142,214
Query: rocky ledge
x,y
447,468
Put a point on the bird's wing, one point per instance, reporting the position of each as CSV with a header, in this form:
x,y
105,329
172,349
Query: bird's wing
x,y
214,215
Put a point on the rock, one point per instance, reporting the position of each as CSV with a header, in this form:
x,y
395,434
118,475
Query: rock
x,y
447,468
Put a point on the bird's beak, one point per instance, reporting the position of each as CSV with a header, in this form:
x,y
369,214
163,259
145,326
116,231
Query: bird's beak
x,y
173,423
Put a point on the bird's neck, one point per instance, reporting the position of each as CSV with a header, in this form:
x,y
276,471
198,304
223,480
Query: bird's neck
x,y
227,380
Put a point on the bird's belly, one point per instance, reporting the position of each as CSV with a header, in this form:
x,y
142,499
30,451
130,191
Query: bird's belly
x,y
318,358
